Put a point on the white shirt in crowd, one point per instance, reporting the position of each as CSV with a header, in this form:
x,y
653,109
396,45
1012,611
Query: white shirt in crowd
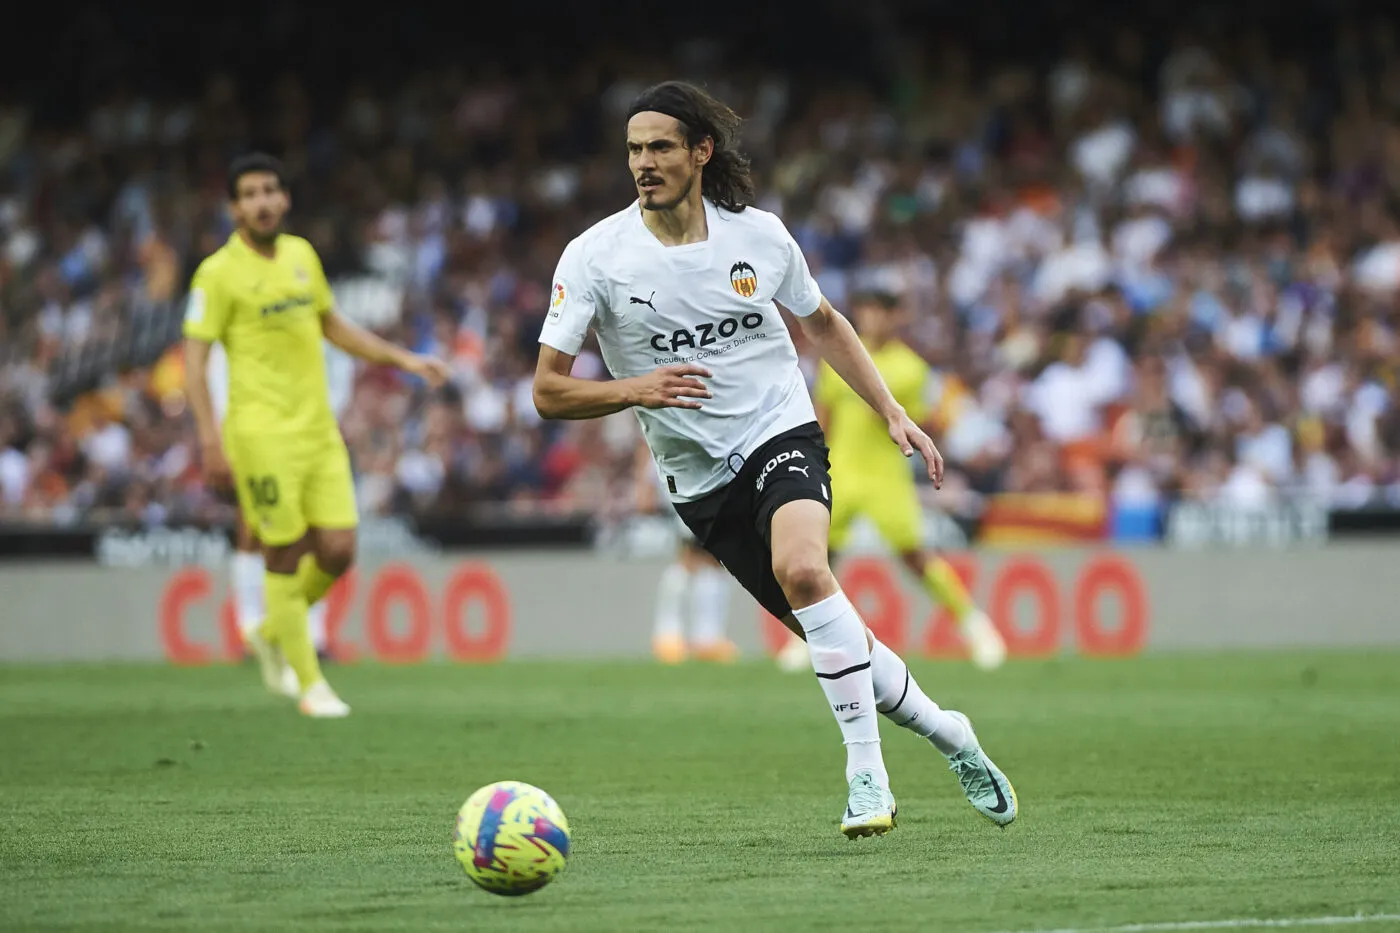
x,y
1107,370
1270,451
1245,488
1378,269
1102,153
1084,265
109,447
1064,399
14,476
711,303
1260,198
1138,240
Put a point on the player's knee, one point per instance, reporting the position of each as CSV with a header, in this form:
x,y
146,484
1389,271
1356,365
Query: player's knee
x,y
805,578
335,553
336,560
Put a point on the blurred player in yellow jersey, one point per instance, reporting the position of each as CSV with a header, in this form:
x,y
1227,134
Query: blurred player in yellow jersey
x,y
246,567
695,578
265,298
871,478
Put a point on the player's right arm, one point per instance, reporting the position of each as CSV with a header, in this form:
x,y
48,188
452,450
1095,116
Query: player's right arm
x,y
561,395
206,316
558,394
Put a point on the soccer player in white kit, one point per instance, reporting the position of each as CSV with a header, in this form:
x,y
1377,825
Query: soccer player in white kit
x,y
682,289
246,566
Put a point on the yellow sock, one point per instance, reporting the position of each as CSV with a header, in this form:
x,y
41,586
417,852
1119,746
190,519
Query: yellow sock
x,y
286,625
946,588
315,582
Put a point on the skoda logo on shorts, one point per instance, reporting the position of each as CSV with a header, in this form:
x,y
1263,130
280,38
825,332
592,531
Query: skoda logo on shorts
x,y
773,464
744,279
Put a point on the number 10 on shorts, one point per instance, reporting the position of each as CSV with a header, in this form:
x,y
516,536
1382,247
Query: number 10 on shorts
x,y
263,491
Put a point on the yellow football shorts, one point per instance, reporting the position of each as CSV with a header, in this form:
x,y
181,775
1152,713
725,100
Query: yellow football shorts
x,y
287,484
890,503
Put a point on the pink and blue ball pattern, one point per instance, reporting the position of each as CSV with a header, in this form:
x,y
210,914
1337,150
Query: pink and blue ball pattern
x,y
519,841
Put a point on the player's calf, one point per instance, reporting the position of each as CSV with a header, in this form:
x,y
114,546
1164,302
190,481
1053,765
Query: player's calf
x,y
835,633
296,580
330,553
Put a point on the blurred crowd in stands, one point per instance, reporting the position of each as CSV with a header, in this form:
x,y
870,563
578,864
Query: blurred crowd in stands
x,y
1155,268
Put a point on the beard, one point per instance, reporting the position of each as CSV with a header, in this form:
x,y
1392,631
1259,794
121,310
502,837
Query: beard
x,y
264,238
652,203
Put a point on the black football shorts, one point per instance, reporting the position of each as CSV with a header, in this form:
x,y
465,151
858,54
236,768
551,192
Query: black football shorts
x,y
734,522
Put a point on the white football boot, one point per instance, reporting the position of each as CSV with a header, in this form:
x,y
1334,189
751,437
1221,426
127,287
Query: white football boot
x,y
320,702
277,675
793,656
984,642
870,808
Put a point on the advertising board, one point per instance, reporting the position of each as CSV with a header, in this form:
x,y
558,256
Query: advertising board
x,y
571,604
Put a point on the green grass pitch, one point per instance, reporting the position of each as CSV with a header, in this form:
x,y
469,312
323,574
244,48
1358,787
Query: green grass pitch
x,y
1168,789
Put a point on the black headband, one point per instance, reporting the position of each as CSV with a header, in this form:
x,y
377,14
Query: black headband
x,y
656,107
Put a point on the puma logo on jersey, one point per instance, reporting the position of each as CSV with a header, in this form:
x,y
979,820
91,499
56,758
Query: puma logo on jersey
x,y
803,470
647,302
776,462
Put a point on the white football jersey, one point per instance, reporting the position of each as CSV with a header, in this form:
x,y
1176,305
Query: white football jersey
x,y
710,303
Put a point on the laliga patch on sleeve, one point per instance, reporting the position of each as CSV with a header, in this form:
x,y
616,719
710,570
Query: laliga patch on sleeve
x,y
557,297
194,306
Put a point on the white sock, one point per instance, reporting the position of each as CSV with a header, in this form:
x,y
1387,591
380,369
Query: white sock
x,y
902,702
316,624
841,658
246,577
709,604
670,596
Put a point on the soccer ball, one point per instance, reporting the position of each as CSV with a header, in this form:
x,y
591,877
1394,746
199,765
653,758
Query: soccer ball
x,y
511,838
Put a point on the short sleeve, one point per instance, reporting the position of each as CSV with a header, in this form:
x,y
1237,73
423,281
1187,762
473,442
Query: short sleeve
x,y
798,291
206,308
572,303
320,286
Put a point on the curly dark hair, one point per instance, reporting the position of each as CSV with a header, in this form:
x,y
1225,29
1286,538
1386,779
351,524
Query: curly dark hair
x,y
726,179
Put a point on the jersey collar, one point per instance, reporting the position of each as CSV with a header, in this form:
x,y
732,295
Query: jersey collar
x,y
239,243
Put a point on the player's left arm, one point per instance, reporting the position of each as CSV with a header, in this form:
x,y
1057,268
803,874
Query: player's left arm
x,y
836,339
355,340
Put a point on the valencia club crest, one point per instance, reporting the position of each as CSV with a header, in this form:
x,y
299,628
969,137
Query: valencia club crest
x,y
744,279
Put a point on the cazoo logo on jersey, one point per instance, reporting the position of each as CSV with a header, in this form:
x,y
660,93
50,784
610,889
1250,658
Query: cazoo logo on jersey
x,y
777,461
705,335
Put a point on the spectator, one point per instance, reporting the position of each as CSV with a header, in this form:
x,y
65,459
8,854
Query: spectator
x,y
1144,278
